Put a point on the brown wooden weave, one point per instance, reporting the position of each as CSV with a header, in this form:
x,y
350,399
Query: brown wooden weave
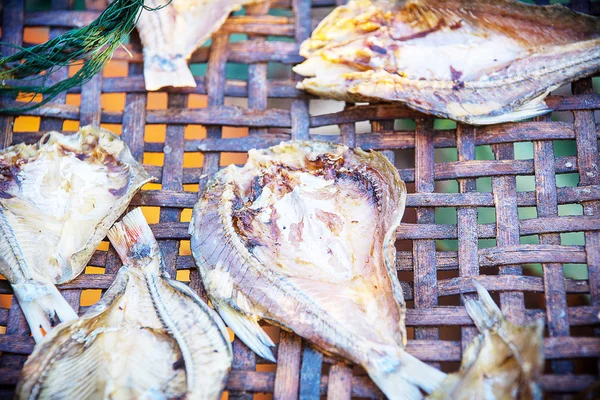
x,y
439,326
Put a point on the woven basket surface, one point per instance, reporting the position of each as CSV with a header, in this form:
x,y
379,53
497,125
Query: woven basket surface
x,y
514,206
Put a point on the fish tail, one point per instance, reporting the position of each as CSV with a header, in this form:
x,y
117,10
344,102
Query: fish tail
x,y
43,306
403,376
132,238
482,310
166,70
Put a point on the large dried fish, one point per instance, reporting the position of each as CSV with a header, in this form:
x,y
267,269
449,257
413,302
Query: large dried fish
x,y
476,61
171,34
504,362
303,237
58,198
150,337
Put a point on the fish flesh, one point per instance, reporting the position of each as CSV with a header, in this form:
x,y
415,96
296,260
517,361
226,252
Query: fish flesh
x,y
58,198
149,337
172,33
503,362
474,61
303,236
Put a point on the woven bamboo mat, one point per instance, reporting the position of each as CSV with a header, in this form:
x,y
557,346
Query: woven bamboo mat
x,y
526,262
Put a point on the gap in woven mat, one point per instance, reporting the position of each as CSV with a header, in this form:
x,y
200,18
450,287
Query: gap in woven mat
x,y
155,133
25,123
154,158
152,214
488,270
446,186
527,212
483,185
183,275
449,154
449,366
279,71
486,215
523,150
70,126
112,102
156,101
35,35
525,183
569,179
5,302
405,124
562,116
405,158
186,214
534,301
564,148
117,129
529,239
570,209
194,132
576,271
484,152
93,270
485,243
572,239
445,216
90,297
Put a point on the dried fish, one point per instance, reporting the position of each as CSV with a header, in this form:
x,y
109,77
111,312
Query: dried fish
x,y
170,36
504,362
475,61
149,337
303,237
58,198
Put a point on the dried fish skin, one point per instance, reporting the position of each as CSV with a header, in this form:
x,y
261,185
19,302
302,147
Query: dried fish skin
x,y
171,34
58,198
303,237
503,362
479,62
149,337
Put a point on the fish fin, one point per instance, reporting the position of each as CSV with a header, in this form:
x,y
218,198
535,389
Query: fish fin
x,y
483,311
43,306
186,290
132,238
247,329
533,108
162,71
400,375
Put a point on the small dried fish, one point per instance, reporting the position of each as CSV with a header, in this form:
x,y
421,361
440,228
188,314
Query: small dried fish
x,y
58,198
504,362
170,36
150,337
303,237
476,61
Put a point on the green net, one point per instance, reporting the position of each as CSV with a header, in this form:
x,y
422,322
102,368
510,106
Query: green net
x,y
28,70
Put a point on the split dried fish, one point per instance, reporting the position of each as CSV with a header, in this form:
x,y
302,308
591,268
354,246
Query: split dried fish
x,y
504,362
476,61
303,237
171,34
149,337
58,198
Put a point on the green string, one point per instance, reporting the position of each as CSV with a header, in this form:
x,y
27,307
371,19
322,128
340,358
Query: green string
x,y
91,46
